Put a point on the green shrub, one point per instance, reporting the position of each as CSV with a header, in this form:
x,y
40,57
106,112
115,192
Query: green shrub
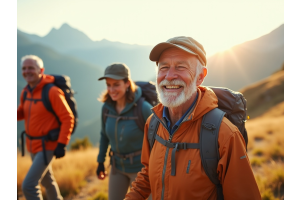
x,y
81,144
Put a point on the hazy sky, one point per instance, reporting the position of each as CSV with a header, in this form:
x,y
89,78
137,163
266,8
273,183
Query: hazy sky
x,y
218,25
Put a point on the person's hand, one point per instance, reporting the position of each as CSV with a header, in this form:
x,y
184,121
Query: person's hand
x,y
101,173
60,150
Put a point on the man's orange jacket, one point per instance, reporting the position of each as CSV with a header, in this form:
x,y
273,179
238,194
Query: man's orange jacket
x,y
39,121
234,169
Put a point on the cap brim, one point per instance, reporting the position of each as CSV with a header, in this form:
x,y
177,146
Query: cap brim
x,y
159,48
111,76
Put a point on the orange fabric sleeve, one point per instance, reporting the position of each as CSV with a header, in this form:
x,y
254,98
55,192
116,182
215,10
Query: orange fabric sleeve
x,y
20,113
234,169
140,188
63,112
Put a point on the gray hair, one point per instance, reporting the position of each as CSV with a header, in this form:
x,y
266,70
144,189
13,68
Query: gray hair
x,y
38,60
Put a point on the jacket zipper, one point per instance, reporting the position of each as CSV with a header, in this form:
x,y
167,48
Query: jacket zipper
x,y
117,148
167,151
122,131
116,138
122,164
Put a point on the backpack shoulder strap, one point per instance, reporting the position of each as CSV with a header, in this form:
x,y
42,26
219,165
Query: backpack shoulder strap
x,y
138,111
104,114
152,131
46,100
24,95
209,149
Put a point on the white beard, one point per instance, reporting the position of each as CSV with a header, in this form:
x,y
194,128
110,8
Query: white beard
x,y
173,99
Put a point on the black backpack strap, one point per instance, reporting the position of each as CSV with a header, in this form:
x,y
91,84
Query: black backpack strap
x,y
209,150
24,95
152,130
138,111
104,114
46,100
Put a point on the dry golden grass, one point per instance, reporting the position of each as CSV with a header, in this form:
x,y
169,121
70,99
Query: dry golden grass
x,y
266,151
267,130
270,180
70,171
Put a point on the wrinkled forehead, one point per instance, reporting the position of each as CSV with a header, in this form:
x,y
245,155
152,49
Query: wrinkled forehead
x,y
30,63
176,55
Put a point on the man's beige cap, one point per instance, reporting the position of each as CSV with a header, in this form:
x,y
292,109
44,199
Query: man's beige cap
x,y
187,44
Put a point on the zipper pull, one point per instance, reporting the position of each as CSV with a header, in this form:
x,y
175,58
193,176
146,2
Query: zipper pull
x,y
170,138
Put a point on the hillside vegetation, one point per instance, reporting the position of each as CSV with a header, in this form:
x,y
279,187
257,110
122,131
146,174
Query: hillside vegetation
x,y
264,94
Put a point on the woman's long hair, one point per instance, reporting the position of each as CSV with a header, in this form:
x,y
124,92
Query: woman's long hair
x,y
104,97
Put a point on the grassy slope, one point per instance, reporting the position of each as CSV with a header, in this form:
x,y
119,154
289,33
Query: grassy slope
x,y
264,94
266,134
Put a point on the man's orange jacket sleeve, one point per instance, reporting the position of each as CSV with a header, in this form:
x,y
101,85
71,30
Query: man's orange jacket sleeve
x,y
63,112
235,171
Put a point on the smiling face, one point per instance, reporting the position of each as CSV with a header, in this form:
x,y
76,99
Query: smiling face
x,y
31,72
117,89
177,77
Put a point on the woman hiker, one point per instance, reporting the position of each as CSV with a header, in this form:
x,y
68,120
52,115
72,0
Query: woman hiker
x,y
120,130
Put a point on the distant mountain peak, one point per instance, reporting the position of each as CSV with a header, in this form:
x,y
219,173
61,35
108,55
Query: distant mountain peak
x,y
64,28
65,25
68,33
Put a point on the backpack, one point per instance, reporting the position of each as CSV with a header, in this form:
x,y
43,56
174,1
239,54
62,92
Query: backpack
x,y
148,94
64,83
232,105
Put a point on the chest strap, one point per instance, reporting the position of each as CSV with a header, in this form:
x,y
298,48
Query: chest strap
x,y
176,147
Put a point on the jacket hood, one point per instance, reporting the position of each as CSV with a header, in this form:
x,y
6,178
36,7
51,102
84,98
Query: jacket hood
x,y
46,79
207,100
137,95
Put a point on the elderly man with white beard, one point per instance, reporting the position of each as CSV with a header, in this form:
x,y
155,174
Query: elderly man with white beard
x,y
181,69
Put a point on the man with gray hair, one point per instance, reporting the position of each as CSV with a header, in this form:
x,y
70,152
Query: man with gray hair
x,y
172,165
39,123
